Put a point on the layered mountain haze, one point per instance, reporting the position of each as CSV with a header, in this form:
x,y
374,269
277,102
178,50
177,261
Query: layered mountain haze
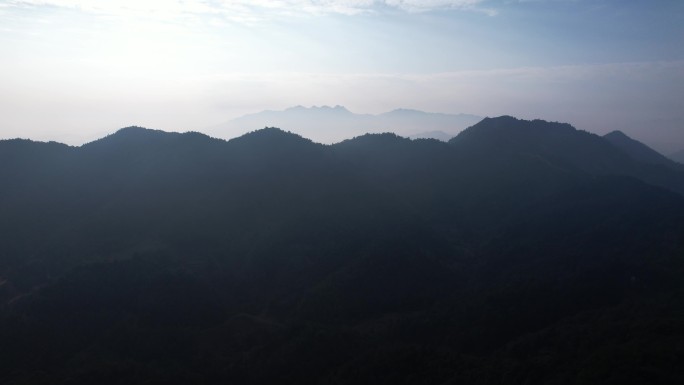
x,y
284,221
516,252
333,124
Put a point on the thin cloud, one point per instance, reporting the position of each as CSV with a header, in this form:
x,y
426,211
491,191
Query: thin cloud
x,y
428,5
246,10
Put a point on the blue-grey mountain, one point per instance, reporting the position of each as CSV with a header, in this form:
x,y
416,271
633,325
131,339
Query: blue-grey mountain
x,y
333,124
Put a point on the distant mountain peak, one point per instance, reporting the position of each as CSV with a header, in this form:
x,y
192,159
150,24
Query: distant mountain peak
x,y
506,125
332,124
126,134
135,132
272,131
300,108
502,118
272,134
616,134
384,138
636,150
136,136
133,128
507,119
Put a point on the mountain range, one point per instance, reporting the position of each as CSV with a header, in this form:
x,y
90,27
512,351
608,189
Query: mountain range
x,y
518,252
326,124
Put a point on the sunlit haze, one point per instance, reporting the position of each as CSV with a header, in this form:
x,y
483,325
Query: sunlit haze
x,y
75,70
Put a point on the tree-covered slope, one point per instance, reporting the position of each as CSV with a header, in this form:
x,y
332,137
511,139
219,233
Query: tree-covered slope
x,y
519,252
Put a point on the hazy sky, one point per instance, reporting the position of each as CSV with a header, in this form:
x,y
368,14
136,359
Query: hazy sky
x,y
74,70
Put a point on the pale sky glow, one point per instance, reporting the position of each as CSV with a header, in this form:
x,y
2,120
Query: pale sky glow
x,y
74,70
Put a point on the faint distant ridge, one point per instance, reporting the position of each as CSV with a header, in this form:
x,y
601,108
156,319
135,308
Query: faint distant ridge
x,y
412,113
438,135
637,150
320,109
327,124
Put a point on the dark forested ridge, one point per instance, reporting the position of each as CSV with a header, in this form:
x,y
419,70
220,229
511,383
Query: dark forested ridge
x,y
520,252
678,156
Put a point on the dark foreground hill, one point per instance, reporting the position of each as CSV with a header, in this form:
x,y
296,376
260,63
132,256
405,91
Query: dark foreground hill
x,y
521,252
678,156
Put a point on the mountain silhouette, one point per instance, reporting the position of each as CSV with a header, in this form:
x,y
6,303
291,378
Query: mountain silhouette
x,y
637,150
562,146
326,124
517,252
